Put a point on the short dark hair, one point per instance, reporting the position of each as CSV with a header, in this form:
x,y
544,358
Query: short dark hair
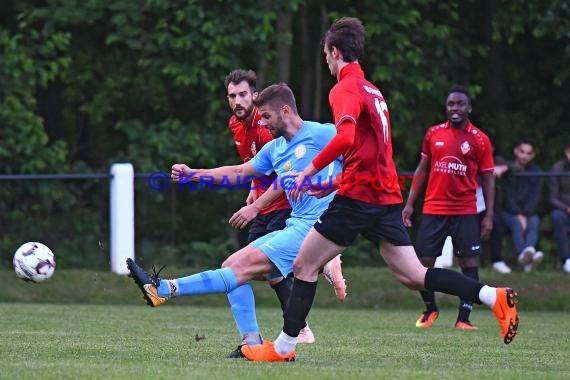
x,y
276,96
461,90
348,35
240,75
527,141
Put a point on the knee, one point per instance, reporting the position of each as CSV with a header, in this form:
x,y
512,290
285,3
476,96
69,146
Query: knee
x,y
410,282
298,266
304,268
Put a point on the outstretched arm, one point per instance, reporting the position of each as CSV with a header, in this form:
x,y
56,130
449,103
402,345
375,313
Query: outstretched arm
x,y
235,174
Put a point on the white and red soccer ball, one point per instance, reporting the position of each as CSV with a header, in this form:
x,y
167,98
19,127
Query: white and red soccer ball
x,y
34,262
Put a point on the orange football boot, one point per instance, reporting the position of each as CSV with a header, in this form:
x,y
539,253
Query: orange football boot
x,y
426,319
265,353
506,313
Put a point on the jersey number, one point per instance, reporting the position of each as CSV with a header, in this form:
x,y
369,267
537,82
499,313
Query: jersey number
x,y
382,110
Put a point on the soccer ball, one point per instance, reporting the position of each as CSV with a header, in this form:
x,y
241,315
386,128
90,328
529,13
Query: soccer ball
x,y
34,262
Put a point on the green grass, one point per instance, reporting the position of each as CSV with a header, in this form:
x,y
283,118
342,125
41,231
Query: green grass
x,y
372,287
67,341
94,325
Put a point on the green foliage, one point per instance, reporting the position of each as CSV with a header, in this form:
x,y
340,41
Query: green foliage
x,y
28,62
89,83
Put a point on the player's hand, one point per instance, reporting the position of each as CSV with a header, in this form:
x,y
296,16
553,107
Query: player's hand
x,y
320,193
241,218
407,213
301,187
179,170
499,170
251,197
322,189
486,225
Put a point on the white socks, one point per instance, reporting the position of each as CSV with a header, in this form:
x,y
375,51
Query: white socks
x,y
285,344
488,295
169,288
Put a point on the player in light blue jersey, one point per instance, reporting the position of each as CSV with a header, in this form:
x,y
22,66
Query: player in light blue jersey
x,y
296,144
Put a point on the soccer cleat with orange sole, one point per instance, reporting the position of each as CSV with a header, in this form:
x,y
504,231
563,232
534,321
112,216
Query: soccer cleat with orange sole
x,y
333,273
506,313
465,325
148,283
426,319
265,353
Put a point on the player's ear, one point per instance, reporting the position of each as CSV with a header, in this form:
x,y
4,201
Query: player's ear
x,y
334,52
254,94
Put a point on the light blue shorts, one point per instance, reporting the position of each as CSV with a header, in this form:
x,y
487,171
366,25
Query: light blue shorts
x,y
281,247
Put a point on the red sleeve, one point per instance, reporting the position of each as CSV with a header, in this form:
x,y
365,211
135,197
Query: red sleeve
x,y
338,145
486,161
426,147
263,136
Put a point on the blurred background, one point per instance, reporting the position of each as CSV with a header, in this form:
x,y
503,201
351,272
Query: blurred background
x,y
88,83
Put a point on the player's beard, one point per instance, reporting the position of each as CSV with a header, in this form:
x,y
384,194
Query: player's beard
x,y
457,123
278,129
247,113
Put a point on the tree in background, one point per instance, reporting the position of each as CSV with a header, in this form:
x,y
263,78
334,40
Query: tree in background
x,y
89,83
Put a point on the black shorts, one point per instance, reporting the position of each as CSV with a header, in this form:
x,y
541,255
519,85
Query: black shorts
x,y
263,224
463,229
346,218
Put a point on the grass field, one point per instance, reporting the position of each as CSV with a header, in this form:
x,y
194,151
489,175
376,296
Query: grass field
x,y
52,341
93,325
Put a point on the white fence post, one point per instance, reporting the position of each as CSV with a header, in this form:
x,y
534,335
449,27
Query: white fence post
x,y
122,217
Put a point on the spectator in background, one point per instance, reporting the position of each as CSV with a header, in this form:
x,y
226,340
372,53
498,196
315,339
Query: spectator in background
x,y
495,242
520,196
560,200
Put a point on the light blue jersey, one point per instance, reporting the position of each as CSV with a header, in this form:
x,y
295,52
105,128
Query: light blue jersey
x,y
285,158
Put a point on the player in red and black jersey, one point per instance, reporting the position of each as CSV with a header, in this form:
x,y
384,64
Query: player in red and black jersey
x,y
249,137
372,207
454,155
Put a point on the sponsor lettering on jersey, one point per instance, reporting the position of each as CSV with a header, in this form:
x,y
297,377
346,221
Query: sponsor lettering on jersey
x,y
450,165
